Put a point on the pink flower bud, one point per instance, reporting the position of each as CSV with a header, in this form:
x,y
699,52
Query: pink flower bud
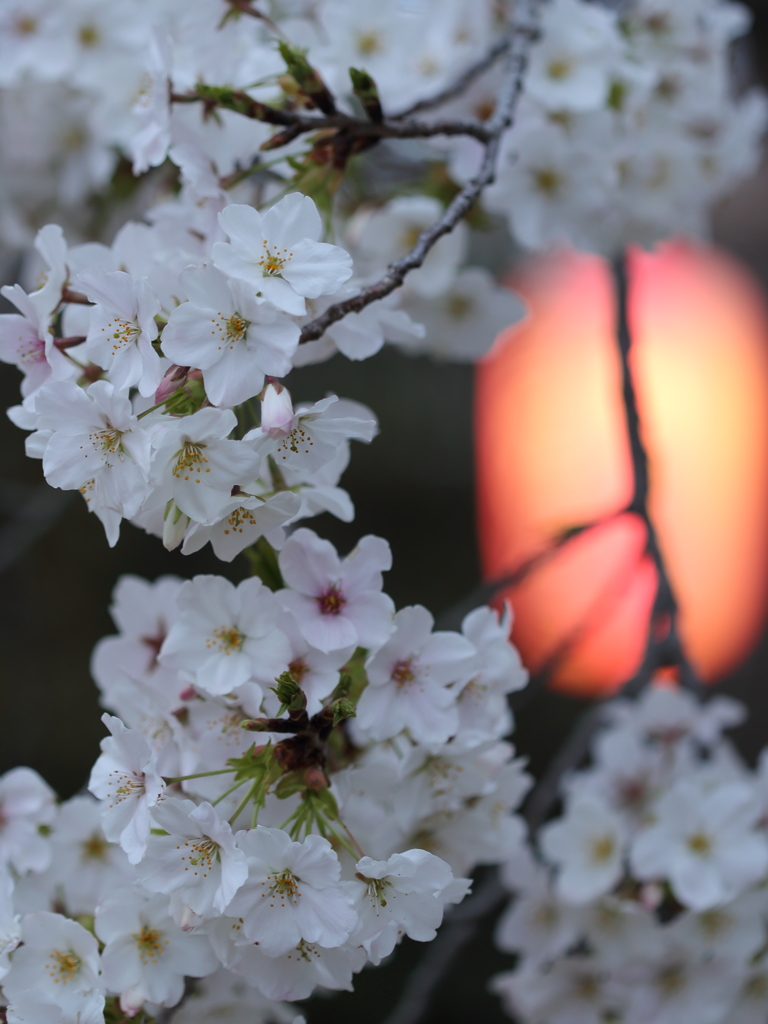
x,y
172,380
276,409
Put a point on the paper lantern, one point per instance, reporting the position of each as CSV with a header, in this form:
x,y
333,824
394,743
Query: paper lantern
x,y
553,455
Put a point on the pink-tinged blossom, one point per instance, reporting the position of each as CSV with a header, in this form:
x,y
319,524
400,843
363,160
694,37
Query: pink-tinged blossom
x,y
146,955
316,673
122,328
227,333
226,635
26,803
196,466
58,959
126,781
399,895
292,893
704,841
95,438
410,681
197,863
143,613
312,437
278,253
25,339
588,846
337,603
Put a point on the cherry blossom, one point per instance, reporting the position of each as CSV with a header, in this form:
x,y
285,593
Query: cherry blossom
x,y
337,603
125,779
278,253
122,328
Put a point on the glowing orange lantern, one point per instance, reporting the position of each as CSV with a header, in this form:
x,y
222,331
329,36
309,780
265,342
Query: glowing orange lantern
x,y
553,456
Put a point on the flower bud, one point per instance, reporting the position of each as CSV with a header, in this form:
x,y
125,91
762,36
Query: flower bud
x,y
175,524
276,409
172,380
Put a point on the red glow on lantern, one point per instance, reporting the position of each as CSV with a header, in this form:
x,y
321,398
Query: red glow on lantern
x,y
553,456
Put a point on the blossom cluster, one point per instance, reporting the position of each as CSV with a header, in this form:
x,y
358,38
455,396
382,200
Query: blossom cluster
x,y
236,829
628,130
646,901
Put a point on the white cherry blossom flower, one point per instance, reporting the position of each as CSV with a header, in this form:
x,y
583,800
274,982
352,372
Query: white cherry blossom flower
x,y
149,146
122,328
125,779
96,438
84,865
462,323
196,466
245,519
337,603
27,808
704,841
197,863
34,1007
313,435
292,893
588,846
278,253
404,892
292,975
146,956
410,681
228,334
226,635
10,927
571,66
58,959
26,339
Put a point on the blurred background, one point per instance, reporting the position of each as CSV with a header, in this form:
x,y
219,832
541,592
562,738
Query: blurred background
x,y
413,485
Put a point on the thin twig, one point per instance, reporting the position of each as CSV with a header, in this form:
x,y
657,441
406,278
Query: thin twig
x,y
517,58
301,123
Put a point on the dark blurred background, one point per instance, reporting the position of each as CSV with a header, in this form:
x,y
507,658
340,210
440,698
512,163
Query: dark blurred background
x,y
412,485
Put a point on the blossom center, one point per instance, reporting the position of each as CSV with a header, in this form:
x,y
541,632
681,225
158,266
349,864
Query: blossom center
x,y
31,351
376,888
227,639
403,672
63,967
547,181
239,518
331,601
123,332
108,442
190,462
369,42
94,848
150,943
560,68
671,979
458,306
273,263
700,843
602,849
203,853
299,439
285,886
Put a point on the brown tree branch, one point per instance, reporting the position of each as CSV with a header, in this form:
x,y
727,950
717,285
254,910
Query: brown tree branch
x,y
523,33
301,123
